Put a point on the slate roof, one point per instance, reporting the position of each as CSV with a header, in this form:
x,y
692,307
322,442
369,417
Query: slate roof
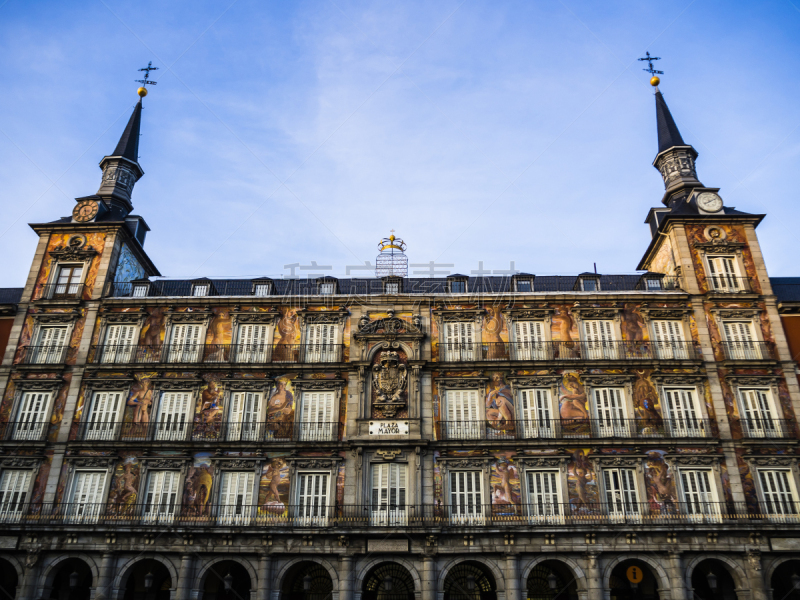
x,y
787,289
128,145
10,295
668,134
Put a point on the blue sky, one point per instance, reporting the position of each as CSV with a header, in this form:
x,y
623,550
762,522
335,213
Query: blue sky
x,y
287,133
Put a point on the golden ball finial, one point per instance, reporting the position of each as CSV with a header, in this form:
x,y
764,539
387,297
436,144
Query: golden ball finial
x,y
142,91
654,81
391,237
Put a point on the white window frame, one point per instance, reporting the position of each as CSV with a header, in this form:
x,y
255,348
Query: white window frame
x,y
669,345
56,273
311,429
749,349
785,509
317,351
725,282
611,421
459,281
237,429
120,352
262,289
140,290
605,347
318,513
760,425
524,280
184,351
530,338
153,510
201,290
622,508
51,354
540,508
169,428
20,488
244,507
461,340
467,507
24,427
326,288
89,507
692,422
544,411
471,428
104,429
387,509
252,352
695,507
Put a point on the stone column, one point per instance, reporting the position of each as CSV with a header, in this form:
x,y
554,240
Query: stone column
x,y
512,577
27,588
428,578
264,577
675,572
755,575
102,588
346,578
184,587
594,579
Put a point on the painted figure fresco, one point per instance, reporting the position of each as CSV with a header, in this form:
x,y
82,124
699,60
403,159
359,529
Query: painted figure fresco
x,y
218,336
582,483
633,326
287,336
197,487
128,268
661,494
153,329
39,485
565,330
505,485
748,484
499,404
646,404
125,484
59,403
138,405
280,409
208,412
573,405
273,489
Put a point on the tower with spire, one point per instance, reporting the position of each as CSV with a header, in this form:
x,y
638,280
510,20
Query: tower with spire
x,y
121,169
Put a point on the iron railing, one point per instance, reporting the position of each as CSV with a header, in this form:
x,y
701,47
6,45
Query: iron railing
x,y
727,284
31,431
572,428
241,354
43,355
767,427
747,350
549,351
274,513
200,431
60,291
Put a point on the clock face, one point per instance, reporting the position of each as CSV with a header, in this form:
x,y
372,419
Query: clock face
x,y
84,211
709,202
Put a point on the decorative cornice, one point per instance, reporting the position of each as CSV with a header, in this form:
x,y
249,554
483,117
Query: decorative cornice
x,y
29,385
607,379
249,385
755,380
388,455
312,463
735,313
693,460
665,312
65,254
775,460
458,314
47,318
269,317
463,463
118,383
461,382
595,312
531,314
390,328
319,384
188,316
113,318
158,462
678,379
335,316
535,380
168,383
619,460
541,461
81,462
20,462
234,463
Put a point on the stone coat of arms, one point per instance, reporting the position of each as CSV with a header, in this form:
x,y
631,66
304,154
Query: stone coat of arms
x,y
389,378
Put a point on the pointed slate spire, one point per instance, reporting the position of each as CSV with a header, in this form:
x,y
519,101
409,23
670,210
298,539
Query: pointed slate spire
x,y
128,145
668,134
121,170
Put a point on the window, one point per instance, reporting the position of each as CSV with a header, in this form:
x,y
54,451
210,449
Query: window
x,y
185,343
543,496
389,494
669,340
172,423
119,344
778,491
653,284
610,413
86,504
758,414
52,345
392,287
33,416
740,341
536,414
262,289
529,342
68,281
462,415
243,420
682,415
723,274
254,344
599,340
161,496
312,498
14,486
236,505
140,290
316,418
321,343
458,286
620,490
459,342
699,495
327,288
590,284
200,289
523,285
104,419
466,502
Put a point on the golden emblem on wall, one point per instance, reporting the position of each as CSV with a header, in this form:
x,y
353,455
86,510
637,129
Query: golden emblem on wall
x,y
389,378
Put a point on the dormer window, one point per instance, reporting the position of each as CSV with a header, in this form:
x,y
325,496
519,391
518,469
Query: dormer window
x,y
523,283
140,288
392,285
588,282
651,282
457,284
262,287
326,287
201,288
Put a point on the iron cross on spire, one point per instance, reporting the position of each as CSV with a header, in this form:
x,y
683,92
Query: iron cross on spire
x,y
147,70
650,60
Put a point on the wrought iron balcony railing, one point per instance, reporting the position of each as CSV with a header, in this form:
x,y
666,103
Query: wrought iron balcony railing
x,y
275,514
558,351
240,354
31,430
572,428
59,291
217,431
726,284
767,427
43,355
747,350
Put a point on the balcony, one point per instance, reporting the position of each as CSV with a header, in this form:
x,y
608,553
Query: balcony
x,y
746,350
60,291
560,351
767,428
30,431
43,355
571,429
238,354
219,431
725,284
353,517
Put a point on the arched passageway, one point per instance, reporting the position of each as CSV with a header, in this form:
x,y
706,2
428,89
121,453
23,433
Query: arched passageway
x,y
711,580
388,581
785,581
72,581
622,589
307,581
552,580
8,580
470,581
148,580
226,580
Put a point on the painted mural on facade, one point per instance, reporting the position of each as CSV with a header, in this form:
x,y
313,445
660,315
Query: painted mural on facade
x,y
128,268
197,486
124,489
59,241
274,485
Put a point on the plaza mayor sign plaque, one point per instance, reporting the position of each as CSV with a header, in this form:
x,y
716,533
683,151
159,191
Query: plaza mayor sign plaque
x,y
388,427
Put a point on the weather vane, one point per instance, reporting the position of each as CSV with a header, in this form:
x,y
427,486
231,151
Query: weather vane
x,y
142,91
650,60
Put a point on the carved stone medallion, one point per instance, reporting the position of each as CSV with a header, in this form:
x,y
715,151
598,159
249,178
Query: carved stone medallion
x,y
389,378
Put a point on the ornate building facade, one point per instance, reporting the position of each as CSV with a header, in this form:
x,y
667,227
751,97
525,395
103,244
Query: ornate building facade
x,y
592,437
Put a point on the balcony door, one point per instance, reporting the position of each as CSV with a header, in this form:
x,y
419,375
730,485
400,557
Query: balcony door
x,y
316,417
466,498
161,496
758,414
529,342
669,340
682,413
87,496
119,344
620,489
463,421
321,340
236,498
537,416
185,343
104,416
459,341
244,417
172,422
51,345
388,501
723,276
778,493
312,499
33,416
609,406
740,341
253,346
543,497
68,281
699,495
14,486
599,340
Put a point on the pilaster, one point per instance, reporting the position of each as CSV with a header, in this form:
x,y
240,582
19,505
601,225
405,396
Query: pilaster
x,y
264,577
675,571
594,578
184,586
512,577
345,578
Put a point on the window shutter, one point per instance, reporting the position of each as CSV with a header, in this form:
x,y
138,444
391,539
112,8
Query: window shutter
x,y
529,338
88,488
620,487
14,486
172,416
777,490
119,343
462,414
536,415
252,343
244,415
543,492
669,340
698,493
236,492
465,495
312,497
32,417
610,411
723,272
104,415
162,493
459,340
599,339
682,412
185,346
758,417
317,416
